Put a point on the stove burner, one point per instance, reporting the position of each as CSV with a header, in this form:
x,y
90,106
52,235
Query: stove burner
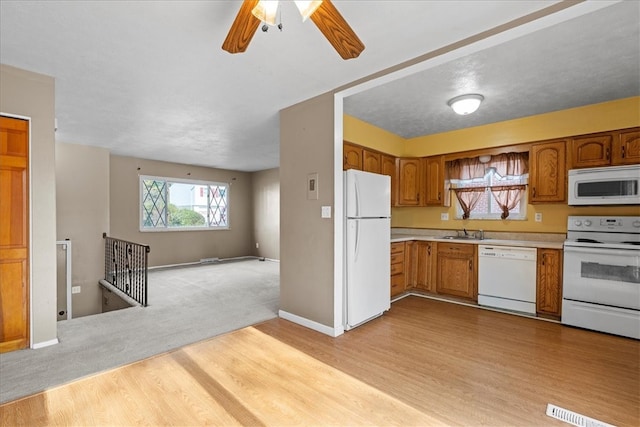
x,y
583,240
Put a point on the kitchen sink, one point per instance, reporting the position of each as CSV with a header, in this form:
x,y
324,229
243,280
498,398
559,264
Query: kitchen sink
x,y
469,237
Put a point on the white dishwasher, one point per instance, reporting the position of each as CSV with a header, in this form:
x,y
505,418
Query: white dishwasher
x,y
507,278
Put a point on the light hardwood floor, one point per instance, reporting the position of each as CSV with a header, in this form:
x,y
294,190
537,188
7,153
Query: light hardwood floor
x,y
424,362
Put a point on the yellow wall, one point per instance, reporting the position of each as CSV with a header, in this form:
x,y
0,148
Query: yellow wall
x,y
365,134
592,118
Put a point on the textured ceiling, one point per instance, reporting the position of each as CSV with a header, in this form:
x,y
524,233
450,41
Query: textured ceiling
x,y
586,60
149,79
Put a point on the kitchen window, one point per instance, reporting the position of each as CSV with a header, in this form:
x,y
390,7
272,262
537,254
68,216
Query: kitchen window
x,y
168,204
494,188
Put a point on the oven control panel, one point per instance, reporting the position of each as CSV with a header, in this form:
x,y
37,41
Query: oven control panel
x,y
619,224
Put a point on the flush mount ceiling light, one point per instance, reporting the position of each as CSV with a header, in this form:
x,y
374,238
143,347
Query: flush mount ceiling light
x,y
465,104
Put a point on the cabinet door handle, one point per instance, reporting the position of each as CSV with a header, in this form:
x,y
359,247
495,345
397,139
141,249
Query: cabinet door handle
x,y
439,193
534,191
623,151
429,249
607,154
544,256
470,265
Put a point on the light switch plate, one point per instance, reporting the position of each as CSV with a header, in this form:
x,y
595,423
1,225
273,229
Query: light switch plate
x,y
444,217
75,289
326,212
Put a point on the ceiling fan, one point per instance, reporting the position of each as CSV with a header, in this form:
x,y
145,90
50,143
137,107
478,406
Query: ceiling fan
x,y
323,13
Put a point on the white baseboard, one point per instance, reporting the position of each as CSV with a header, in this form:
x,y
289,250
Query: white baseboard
x,y
327,330
44,344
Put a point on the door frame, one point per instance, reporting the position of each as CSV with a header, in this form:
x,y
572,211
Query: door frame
x,y
29,216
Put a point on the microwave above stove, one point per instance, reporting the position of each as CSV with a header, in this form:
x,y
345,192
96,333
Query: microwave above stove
x,y
613,185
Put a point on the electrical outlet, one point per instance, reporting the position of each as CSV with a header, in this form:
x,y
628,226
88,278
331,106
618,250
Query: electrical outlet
x,y
257,245
75,289
538,217
444,217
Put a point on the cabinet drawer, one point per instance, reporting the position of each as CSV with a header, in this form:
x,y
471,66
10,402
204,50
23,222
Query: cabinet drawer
x,y
397,284
456,248
397,248
397,258
397,268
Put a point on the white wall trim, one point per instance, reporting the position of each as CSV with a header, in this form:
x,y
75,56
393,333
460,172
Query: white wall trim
x,y
44,344
69,253
319,327
338,211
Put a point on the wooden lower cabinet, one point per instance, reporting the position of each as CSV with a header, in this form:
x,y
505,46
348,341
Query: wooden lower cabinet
x,y
549,283
456,270
398,278
425,277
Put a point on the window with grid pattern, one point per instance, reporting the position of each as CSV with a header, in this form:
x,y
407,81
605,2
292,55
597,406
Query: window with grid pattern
x,y
170,204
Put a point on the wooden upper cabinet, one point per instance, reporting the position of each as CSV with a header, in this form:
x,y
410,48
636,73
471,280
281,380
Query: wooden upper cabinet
x,y
410,182
371,161
590,151
626,147
351,156
547,172
434,187
388,167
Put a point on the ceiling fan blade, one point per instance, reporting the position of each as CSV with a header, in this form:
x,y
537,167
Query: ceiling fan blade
x,y
242,29
337,31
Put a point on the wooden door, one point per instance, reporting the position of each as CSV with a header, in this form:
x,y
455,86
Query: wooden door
x,y
626,147
547,172
409,182
591,151
371,161
434,184
14,249
388,167
351,156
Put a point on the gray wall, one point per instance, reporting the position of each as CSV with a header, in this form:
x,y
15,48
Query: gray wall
x,y
307,240
266,213
82,194
177,247
33,95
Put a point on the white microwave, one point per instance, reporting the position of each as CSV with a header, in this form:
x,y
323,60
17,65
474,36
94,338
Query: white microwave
x,y
612,185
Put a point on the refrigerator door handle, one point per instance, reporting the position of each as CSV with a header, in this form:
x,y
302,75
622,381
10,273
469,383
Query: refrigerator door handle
x,y
357,194
355,251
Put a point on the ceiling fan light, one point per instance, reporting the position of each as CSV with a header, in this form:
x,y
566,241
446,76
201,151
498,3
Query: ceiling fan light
x,y
307,7
465,104
266,11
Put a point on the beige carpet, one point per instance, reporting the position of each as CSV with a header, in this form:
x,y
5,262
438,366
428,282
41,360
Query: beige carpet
x,y
186,305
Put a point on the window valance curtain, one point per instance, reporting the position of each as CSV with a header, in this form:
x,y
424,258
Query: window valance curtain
x,y
506,164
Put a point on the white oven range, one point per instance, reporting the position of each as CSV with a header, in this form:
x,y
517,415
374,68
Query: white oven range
x,y
601,275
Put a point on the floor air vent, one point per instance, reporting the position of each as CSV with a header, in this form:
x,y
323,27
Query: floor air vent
x,y
573,418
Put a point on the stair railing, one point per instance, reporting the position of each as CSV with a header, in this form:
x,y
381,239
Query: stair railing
x,y
126,267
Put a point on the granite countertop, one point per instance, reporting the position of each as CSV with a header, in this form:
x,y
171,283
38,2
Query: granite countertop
x,y
546,241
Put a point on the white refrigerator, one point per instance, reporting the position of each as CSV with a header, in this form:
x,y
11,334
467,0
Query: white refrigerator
x,y
367,246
